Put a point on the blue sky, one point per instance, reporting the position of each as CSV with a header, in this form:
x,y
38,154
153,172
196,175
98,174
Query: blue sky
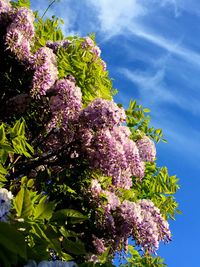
x,y
151,48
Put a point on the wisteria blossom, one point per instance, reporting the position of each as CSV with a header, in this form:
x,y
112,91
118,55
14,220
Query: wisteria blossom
x,y
112,152
146,148
104,66
113,201
17,44
23,21
88,44
46,73
144,222
141,220
95,188
98,244
20,34
102,113
66,104
5,203
57,44
5,6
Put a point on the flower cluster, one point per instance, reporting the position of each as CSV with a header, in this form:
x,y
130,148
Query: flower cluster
x,y
66,104
121,220
5,203
5,6
57,44
98,244
112,200
144,222
20,33
46,73
108,145
102,113
56,263
88,44
104,66
147,149
114,153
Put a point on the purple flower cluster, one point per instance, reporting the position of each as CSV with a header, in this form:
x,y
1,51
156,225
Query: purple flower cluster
x,y
140,220
57,44
46,73
95,189
145,224
66,104
102,113
5,6
98,244
88,44
108,146
20,33
104,66
147,149
114,153
112,200
121,220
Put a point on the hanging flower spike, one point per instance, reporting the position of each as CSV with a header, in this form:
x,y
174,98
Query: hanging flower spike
x,y
5,6
66,104
20,34
46,73
57,44
147,149
102,113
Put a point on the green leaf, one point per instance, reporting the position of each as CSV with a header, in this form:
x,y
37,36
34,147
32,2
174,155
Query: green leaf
x,y
15,130
104,255
76,248
12,240
69,215
2,134
22,3
23,204
30,183
44,209
3,170
66,257
146,110
67,233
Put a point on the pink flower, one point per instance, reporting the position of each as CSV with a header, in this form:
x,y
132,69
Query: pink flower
x,y
46,73
146,148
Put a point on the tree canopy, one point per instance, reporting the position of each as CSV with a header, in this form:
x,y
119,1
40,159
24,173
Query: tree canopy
x,y
79,182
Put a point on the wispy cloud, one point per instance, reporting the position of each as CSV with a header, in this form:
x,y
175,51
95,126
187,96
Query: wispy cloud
x,y
170,46
115,15
154,92
150,85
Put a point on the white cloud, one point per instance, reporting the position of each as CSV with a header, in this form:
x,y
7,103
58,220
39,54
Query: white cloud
x,y
154,92
151,85
175,4
170,46
115,15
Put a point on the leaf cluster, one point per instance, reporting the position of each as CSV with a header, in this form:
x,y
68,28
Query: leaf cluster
x,y
139,123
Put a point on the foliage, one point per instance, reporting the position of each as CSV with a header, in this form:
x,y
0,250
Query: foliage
x,y
78,173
